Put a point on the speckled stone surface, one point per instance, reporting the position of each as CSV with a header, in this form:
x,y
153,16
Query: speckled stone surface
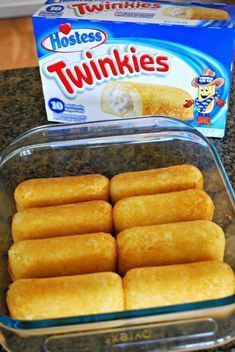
x,y
22,108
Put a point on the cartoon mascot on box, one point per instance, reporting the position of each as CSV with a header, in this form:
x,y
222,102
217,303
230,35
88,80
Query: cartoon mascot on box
x,y
208,95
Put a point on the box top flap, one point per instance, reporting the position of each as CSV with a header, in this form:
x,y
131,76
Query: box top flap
x,y
146,11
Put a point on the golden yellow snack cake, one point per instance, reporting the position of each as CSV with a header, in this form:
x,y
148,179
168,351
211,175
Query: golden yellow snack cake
x,y
196,13
126,99
176,243
175,284
62,220
43,192
168,179
61,256
66,296
162,209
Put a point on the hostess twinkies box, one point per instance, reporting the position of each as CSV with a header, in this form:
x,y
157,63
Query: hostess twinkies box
x,y
103,60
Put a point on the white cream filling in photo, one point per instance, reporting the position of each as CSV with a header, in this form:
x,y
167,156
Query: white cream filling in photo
x,y
177,11
120,101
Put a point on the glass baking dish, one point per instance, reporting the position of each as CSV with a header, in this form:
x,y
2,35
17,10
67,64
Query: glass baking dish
x,y
109,148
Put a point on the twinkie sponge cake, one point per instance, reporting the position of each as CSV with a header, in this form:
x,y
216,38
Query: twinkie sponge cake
x,y
60,256
196,13
162,209
67,296
164,180
62,220
126,99
176,243
176,284
43,192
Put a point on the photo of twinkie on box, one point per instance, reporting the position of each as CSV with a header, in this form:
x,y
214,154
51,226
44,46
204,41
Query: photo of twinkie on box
x,y
104,60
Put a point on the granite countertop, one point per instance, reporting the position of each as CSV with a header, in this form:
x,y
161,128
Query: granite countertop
x,y
22,108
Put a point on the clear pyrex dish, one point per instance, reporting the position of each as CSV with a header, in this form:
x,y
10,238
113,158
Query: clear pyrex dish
x,y
109,148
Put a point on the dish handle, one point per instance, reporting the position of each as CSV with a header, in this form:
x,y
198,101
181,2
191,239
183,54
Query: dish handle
x,y
171,336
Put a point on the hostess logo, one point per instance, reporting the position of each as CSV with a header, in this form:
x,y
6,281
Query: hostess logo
x,y
68,40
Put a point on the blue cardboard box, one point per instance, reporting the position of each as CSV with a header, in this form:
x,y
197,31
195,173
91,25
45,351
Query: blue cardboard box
x,y
103,60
